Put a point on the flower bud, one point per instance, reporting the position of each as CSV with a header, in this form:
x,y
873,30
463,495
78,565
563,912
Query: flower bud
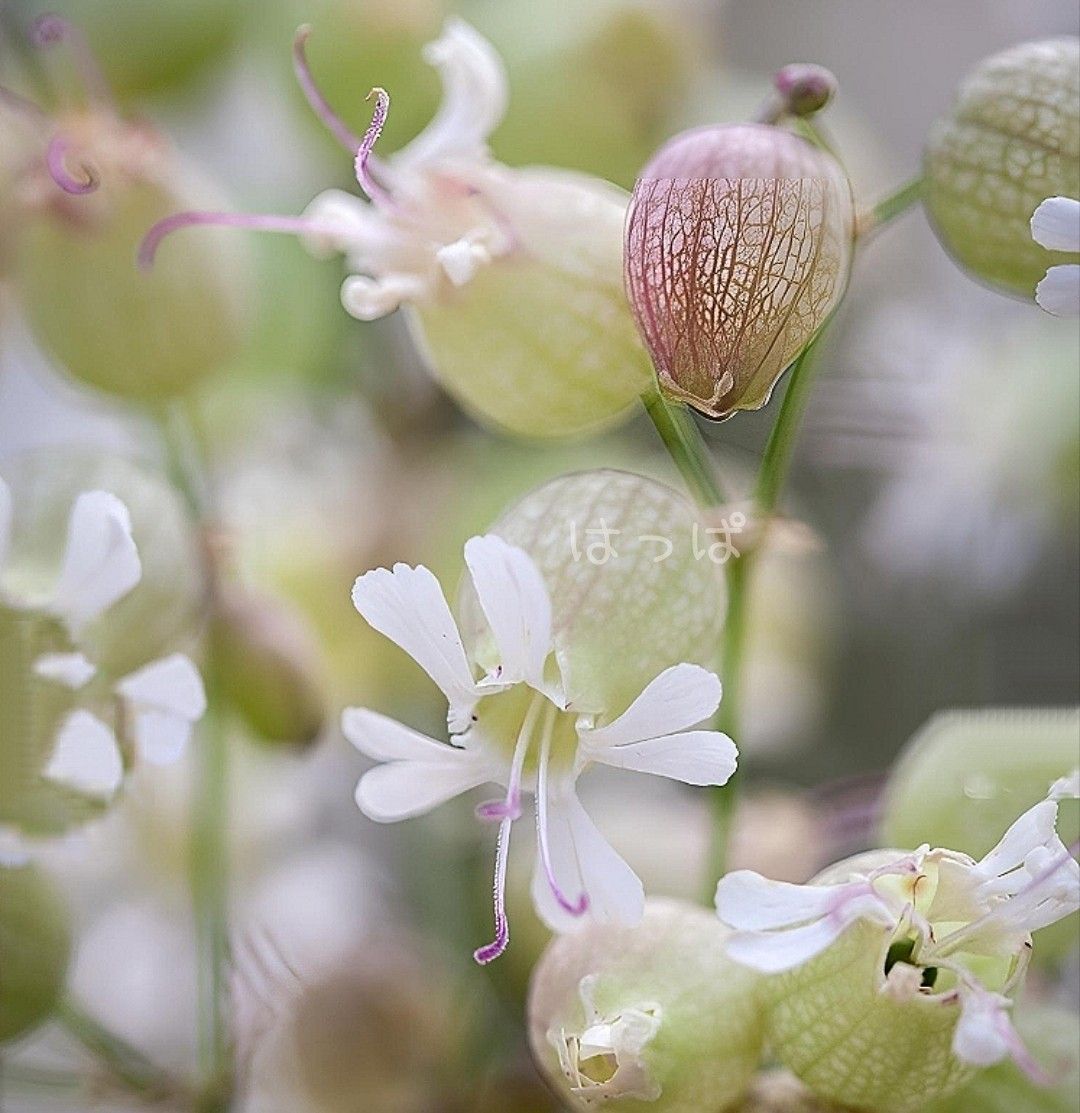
x,y
627,564
35,945
646,1018
804,88
1011,141
738,243
268,666
84,210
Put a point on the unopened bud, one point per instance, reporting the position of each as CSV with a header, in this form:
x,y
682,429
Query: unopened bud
x,y
805,88
1011,141
267,662
650,1017
35,945
738,244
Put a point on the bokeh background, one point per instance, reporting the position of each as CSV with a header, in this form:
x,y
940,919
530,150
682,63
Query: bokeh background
x,y
935,564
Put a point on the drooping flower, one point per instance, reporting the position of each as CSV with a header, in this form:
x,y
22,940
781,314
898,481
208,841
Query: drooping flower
x,y
89,183
635,1016
926,947
738,244
1055,225
514,726
67,725
522,264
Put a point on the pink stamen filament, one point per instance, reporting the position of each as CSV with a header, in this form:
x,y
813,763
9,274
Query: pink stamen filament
x,y
319,104
492,950
50,29
363,153
288,225
577,907
508,810
55,160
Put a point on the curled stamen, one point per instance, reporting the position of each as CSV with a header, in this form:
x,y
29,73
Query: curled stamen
x,y
319,104
49,29
55,155
492,950
581,905
497,810
371,137
289,225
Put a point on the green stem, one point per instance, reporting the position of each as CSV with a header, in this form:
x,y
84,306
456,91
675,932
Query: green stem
x,y
127,1064
889,208
209,886
210,803
686,446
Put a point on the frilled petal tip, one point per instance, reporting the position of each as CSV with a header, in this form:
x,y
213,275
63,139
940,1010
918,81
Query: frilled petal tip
x,y
1059,292
1055,224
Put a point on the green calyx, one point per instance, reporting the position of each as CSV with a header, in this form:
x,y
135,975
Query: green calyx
x,y
1011,141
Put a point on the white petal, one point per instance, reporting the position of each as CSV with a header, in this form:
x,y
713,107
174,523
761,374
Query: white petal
x,y
14,853
775,951
1055,224
584,861
982,1032
407,605
1066,788
516,603
402,789
86,756
679,697
385,739
1034,828
73,670
473,101
161,736
101,564
5,521
1059,291
171,685
697,757
461,259
748,901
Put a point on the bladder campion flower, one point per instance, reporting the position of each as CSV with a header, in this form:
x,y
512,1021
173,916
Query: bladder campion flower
x,y
67,731
647,1017
522,265
895,971
78,211
1011,141
516,726
738,243
1055,225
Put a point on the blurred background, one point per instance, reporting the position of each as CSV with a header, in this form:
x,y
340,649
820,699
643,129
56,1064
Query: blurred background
x,y
937,567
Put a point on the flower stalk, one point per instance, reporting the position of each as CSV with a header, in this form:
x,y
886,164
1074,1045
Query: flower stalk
x,y
888,208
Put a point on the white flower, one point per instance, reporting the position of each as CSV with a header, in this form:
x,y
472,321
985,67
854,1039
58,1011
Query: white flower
x,y
513,727
1055,225
942,908
436,211
159,702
